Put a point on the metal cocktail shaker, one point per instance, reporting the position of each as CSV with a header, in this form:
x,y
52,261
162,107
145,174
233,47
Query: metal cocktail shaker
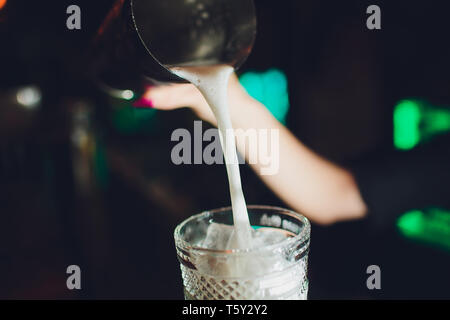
x,y
140,39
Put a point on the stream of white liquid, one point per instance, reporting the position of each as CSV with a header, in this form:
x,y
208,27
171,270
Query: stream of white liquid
x,y
212,81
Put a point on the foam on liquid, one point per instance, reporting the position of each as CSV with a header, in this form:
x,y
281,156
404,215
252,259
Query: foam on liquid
x,y
212,81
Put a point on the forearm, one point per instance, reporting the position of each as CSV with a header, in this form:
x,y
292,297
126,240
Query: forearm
x,y
305,181
308,183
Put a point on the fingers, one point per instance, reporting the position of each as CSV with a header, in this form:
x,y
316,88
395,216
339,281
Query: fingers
x,y
172,96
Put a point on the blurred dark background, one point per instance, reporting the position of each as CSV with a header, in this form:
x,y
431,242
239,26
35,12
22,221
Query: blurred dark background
x,y
86,180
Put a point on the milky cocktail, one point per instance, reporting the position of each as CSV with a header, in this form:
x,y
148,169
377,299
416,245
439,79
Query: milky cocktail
x,y
275,268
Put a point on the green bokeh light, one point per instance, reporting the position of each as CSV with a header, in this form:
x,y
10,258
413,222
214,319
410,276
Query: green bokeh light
x,y
407,117
430,226
271,89
411,223
416,121
436,121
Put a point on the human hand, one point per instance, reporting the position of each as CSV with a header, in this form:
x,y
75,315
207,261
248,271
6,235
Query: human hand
x,y
175,96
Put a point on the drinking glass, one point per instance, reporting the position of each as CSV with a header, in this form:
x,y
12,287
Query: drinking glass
x,y
202,268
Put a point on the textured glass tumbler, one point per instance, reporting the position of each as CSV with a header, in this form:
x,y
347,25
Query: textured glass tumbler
x,y
284,275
